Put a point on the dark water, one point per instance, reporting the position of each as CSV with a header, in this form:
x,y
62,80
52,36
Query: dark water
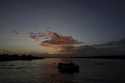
x,y
45,71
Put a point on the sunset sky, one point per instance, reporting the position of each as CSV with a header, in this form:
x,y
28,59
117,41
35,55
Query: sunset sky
x,y
90,21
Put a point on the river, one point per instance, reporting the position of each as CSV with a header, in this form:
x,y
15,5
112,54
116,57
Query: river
x,y
45,71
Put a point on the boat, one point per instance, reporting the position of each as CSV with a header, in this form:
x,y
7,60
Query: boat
x,y
68,67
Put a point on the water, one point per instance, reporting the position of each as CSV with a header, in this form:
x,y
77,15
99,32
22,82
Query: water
x,y
45,71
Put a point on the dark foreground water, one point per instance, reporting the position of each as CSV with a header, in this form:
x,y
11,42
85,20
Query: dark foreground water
x,y
45,71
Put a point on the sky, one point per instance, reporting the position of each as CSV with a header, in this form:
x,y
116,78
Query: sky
x,y
89,21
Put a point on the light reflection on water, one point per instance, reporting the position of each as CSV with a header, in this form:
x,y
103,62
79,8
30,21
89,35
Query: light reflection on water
x,y
45,71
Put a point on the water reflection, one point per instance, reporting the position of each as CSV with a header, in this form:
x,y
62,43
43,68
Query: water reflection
x,y
59,78
45,71
54,76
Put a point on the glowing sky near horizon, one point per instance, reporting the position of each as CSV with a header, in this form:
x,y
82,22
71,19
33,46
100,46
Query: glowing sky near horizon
x,y
90,21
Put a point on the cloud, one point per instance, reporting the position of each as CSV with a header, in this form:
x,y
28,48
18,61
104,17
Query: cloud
x,y
55,43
